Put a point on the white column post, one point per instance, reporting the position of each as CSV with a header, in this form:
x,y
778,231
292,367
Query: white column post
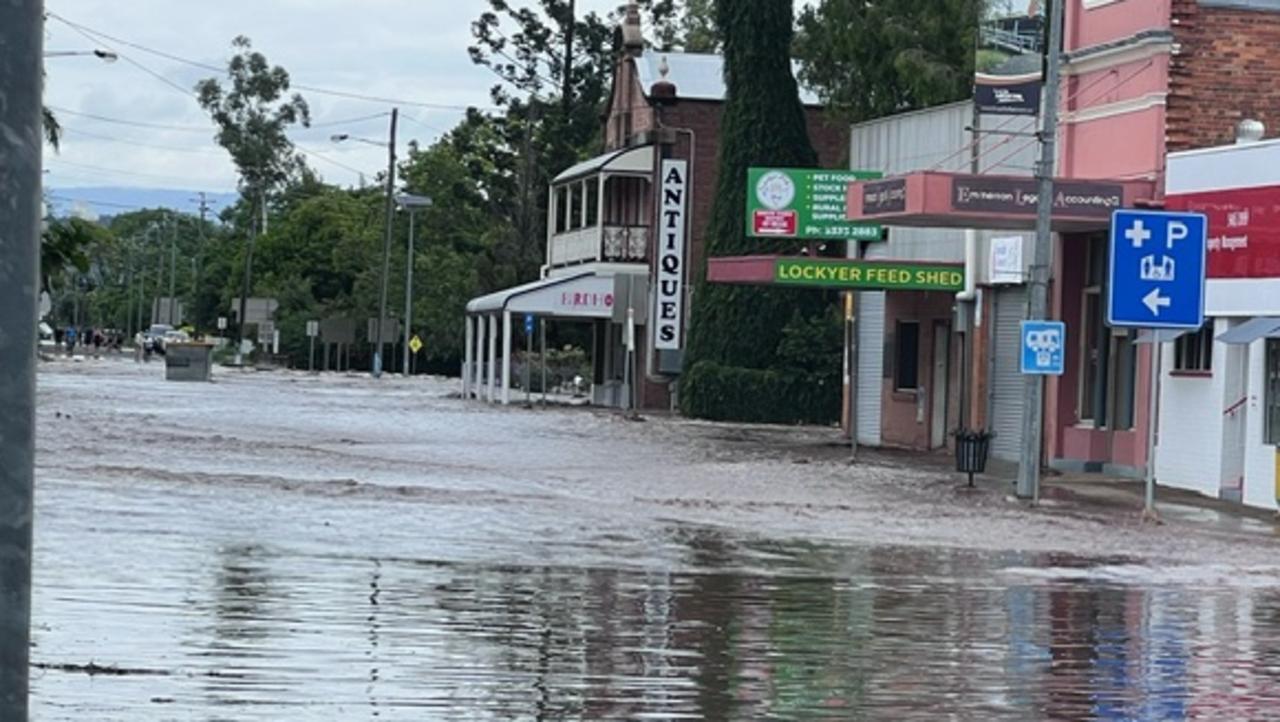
x,y
467,357
493,357
477,382
506,358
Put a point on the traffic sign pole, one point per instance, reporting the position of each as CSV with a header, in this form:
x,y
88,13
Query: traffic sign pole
x,y
1033,398
1157,281
1149,507
528,359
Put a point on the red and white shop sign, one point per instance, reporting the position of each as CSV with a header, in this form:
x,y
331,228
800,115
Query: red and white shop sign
x,y
1244,229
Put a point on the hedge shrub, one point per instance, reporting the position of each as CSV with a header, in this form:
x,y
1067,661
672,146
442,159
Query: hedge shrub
x,y
709,390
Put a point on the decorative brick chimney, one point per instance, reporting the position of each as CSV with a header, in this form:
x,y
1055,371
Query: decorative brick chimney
x,y
632,37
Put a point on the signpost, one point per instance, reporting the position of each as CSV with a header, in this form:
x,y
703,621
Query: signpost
x,y
1157,280
1043,347
313,330
528,359
805,203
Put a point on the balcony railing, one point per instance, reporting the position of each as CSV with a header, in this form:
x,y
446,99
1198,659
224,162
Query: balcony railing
x,y
613,244
626,244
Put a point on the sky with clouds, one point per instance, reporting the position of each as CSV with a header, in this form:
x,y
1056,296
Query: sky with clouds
x,y
414,50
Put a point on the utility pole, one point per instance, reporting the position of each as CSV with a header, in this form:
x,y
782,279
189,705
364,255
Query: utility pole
x,y
248,275
173,270
386,245
1042,256
408,296
197,259
21,41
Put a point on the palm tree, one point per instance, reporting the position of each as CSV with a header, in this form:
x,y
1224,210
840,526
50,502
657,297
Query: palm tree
x,y
52,129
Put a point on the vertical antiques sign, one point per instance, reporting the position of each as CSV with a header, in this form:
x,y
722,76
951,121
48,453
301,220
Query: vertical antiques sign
x,y
668,316
805,203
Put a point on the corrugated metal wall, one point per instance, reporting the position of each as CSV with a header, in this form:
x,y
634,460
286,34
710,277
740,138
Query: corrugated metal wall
x,y
870,365
937,139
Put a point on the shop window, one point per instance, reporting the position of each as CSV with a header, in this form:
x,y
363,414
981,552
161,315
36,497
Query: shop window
x,y
1194,351
1108,357
593,202
562,209
1272,393
575,206
907,357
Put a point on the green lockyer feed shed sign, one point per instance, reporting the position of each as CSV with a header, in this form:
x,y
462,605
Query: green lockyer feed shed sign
x,y
885,275
804,203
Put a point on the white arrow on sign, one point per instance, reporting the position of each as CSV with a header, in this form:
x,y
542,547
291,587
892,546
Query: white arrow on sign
x,y
1155,302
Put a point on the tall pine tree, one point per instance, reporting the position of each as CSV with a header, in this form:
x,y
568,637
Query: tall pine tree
x,y
734,330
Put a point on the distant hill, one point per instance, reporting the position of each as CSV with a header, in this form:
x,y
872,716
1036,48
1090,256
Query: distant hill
x,y
98,201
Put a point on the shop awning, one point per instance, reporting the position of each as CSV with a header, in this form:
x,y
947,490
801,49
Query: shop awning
x,y
1252,330
584,295
625,160
836,273
931,199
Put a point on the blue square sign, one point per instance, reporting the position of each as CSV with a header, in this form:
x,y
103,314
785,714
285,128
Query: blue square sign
x,y
528,324
1157,269
1044,345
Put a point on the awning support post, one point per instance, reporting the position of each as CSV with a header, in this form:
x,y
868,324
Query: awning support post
x,y
506,358
467,351
493,357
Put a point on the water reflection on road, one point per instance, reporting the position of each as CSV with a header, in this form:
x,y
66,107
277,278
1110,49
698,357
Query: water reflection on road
x,y
736,629
239,593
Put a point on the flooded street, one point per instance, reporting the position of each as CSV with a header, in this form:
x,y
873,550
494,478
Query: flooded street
x,y
277,546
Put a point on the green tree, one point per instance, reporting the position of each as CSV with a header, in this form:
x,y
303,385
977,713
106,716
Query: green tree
x,y
735,327
685,25
872,58
253,114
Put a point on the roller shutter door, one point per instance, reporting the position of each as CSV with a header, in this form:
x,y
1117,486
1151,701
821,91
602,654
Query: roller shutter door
x,y
870,365
1007,383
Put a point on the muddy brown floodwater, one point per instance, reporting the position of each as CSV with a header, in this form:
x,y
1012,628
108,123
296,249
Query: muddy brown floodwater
x,y
284,547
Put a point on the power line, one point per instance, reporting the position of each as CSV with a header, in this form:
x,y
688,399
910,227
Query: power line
x,y
134,123
322,156
428,126
84,29
107,204
350,121
111,139
103,169
90,36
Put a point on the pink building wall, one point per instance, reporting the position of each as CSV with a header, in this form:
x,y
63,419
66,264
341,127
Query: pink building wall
x,y
1113,126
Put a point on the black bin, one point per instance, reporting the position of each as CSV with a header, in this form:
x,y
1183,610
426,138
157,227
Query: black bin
x,y
972,447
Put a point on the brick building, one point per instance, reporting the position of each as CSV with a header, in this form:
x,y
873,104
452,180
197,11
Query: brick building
x,y
604,255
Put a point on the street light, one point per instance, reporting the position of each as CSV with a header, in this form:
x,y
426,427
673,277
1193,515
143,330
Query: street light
x,y
411,203
105,56
386,242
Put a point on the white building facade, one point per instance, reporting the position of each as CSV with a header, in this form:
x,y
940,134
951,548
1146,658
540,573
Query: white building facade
x,y
1219,422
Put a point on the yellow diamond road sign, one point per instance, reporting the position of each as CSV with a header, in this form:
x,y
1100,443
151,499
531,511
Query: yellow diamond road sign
x,y
415,343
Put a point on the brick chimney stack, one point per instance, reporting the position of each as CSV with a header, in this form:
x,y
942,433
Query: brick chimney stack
x,y
632,37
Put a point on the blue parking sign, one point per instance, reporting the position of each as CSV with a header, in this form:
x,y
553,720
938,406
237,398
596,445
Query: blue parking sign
x,y
528,324
1157,274
1044,346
